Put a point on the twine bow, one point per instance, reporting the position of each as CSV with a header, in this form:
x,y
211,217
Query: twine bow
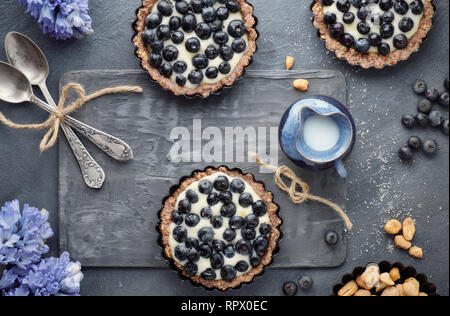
x,y
57,116
295,195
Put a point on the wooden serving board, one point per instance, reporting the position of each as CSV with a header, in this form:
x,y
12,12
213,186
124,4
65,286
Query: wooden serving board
x,y
116,225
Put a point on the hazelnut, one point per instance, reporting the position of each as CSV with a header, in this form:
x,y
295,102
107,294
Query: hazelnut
x,y
290,62
361,283
409,229
393,227
394,274
402,243
411,287
416,252
301,85
386,279
371,276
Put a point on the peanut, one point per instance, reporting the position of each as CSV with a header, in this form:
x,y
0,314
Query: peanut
x,y
362,293
301,85
349,289
371,276
390,291
380,287
361,283
402,243
416,252
386,279
394,274
400,289
409,229
393,227
290,62
411,287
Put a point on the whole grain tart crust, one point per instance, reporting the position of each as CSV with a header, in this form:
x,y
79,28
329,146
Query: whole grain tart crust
x,y
204,89
374,60
272,209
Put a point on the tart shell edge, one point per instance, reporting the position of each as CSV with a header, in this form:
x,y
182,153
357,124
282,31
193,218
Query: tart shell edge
x,y
372,60
165,217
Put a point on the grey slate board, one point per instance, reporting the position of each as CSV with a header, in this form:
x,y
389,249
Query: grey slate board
x,y
115,226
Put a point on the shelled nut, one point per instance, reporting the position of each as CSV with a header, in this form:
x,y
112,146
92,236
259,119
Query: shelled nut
x,y
394,274
362,293
402,243
301,85
416,252
386,279
391,291
349,289
411,287
290,62
393,227
409,229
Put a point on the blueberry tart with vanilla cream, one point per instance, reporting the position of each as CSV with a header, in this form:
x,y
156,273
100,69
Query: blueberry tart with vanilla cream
x,y
195,47
220,228
373,33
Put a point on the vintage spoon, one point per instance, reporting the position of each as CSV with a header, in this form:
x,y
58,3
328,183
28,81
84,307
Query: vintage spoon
x,y
15,88
26,56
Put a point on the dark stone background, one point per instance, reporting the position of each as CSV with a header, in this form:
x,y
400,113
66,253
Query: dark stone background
x,y
380,187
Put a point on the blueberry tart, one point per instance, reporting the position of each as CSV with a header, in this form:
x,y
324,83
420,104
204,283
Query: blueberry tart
x,y
220,228
195,47
373,33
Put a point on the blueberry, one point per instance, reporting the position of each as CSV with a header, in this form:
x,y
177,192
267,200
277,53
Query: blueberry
x,y
184,206
217,260
348,18
343,5
226,52
237,222
180,80
212,72
237,28
388,17
260,245
218,245
248,233
206,212
180,234
290,288
329,18
446,84
179,67
165,8
209,14
259,208
217,221
195,76
213,199
405,154
243,247
348,40
205,250
265,229
384,49
156,46
401,7
255,260
163,32
181,252
228,273
306,282
177,37
245,200
182,7
170,53
229,234
424,106
239,45
443,99
237,186
208,275
196,6
429,147
220,37
191,268
242,266
203,30
229,251
226,197
363,13
385,4
177,218
408,121
252,221
192,255
216,25
329,2
200,61
416,7
208,3
153,20
224,68
221,183
148,36
193,45
444,126
435,118
206,234
375,39
205,187
422,119
420,87
175,23
155,60
406,24
228,210
192,243
223,13
414,142
432,94
337,30
386,30
211,52
233,6
192,220
189,22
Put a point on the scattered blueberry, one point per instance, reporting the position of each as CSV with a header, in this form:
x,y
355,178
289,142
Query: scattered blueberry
x,y
414,142
182,7
220,37
444,126
387,30
405,154
432,94
233,6
401,7
424,106
375,39
184,206
435,118
348,40
163,32
384,49
175,23
422,119
177,37
290,288
222,13
226,197
260,245
192,45
148,36
416,7
443,99
429,147
420,87
180,80
343,5
405,24
209,14
408,121
239,45
306,282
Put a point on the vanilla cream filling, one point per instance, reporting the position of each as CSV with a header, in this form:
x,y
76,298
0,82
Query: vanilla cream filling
x,y
375,9
186,56
192,232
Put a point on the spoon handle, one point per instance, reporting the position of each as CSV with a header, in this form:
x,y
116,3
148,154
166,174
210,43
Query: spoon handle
x,y
111,145
93,174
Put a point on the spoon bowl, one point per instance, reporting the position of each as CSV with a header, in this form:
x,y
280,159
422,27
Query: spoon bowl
x,y
14,85
24,54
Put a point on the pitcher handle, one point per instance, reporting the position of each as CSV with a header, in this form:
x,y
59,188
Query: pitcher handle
x,y
340,169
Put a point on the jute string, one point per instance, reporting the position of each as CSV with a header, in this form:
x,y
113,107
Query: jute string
x,y
57,116
295,195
